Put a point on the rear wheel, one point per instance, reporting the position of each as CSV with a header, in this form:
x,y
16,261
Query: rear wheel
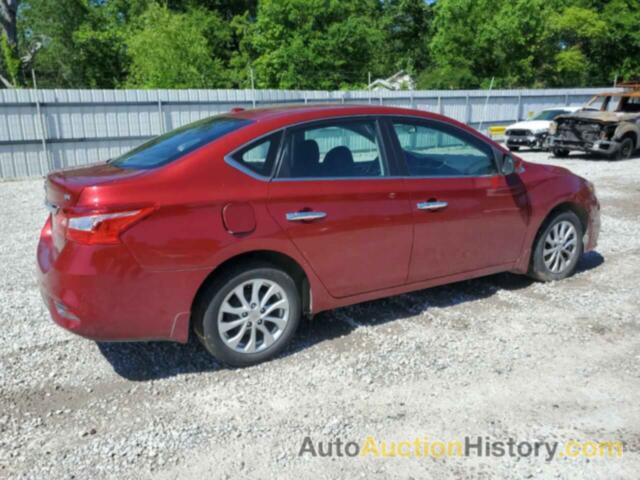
x,y
558,248
249,314
560,152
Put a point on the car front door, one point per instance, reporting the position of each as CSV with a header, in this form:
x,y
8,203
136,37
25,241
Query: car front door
x,y
468,217
335,198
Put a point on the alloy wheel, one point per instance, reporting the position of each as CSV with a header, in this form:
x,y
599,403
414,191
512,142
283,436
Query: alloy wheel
x,y
253,316
560,246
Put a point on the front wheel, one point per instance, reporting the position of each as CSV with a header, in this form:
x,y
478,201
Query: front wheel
x,y
560,152
557,248
514,149
249,314
625,150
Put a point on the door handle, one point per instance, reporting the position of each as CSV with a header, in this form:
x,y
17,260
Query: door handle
x,y
431,205
305,216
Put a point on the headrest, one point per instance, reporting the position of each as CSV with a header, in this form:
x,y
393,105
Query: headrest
x,y
338,162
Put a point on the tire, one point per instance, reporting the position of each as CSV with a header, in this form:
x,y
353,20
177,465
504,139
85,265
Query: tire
x,y
625,150
560,152
544,144
260,337
550,237
514,149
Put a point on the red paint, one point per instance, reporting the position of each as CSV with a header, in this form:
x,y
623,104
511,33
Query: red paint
x,y
478,229
239,218
363,245
373,243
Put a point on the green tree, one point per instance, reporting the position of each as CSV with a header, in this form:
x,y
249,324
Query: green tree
x,y
9,61
618,53
406,25
178,50
9,65
578,34
475,40
100,44
318,44
227,9
8,20
53,24
314,44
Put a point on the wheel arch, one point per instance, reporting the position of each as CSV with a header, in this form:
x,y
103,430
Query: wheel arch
x,y
275,258
629,132
566,206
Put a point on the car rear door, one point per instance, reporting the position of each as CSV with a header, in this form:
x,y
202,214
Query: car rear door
x,y
335,198
467,216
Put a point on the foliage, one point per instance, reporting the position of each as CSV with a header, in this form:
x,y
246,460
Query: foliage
x,y
323,44
319,44
10,62
178,50
100,46
54,23
406,25
532,43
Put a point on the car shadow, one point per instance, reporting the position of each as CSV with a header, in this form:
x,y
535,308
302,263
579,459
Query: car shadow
x,y
144,361
594,157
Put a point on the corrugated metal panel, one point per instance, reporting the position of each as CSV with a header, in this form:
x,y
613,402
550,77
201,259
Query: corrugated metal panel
x,y
86,126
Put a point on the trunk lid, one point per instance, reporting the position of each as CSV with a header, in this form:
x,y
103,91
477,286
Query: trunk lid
x,y
63,187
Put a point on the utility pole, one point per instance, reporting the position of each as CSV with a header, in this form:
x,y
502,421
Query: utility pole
x,y
253,87
41,124
486,104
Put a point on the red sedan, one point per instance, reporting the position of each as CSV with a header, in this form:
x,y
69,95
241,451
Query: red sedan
x,y
237,225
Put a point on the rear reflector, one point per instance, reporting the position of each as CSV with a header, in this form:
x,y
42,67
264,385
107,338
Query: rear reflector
x,y
64,312
102,228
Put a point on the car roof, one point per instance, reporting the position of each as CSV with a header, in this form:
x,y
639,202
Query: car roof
x,y
319,110
279,116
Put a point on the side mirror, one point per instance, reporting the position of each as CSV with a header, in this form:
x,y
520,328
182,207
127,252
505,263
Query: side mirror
x,y
508,165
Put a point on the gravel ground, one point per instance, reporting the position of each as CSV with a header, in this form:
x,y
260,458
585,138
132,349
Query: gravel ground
x,y
499,357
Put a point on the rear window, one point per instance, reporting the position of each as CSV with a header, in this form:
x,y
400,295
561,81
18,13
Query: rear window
x,y
176,143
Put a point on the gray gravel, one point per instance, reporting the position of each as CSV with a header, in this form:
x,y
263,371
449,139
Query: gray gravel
x,y
499,356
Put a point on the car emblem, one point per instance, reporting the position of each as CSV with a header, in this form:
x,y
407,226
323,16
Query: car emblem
x,y
67,196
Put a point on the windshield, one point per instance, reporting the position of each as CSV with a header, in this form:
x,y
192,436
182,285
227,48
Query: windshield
x,y
548,114
176,143
603,103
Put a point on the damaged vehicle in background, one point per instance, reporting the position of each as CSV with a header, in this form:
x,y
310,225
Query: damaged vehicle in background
x,y
613,130
534,133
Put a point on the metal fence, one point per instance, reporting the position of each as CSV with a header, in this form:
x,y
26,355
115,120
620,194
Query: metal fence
x,y
42,130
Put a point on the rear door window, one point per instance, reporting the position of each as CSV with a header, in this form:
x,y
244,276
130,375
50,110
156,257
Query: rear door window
x,y
341,148
177,143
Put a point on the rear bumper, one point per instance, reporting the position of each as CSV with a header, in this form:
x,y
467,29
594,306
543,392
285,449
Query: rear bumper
x,y
102,293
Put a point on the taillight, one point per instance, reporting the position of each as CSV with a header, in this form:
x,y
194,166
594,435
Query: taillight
x,y
46,230
101,228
